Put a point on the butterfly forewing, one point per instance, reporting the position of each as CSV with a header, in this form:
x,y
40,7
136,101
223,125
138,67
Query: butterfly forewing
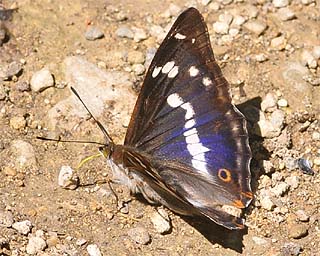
x,y
186,126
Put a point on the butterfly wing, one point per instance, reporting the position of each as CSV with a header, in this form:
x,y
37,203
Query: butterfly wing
x,y
185,123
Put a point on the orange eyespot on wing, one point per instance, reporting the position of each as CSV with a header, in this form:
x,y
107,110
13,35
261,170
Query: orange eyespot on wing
x,y
224,175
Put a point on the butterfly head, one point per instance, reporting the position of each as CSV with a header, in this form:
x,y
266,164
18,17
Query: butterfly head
x,y
106,150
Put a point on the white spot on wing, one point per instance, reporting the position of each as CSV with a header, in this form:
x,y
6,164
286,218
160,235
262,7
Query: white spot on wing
x,y
193,71
189,123
167,67
179,36
194,138
197,148
156,71
193,40
189,132
199,165
174,100
190,112
206,81
173,72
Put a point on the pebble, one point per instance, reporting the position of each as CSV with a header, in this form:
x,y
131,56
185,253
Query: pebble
x,y
3,92
139,34
233,32
237,21
23,227
307,2
302,216
81,241
280,3
269,103
316,51
307,59
23,86
136,57
139,235
286,14
9,171
158,32
93,33
220,27
293,182
172,11
23,155
255,26
277,119
161,222
291,249
138,69
261,57
226,18
266,129
278,43
93,250
67,179
35,245
267,203
125,32
283,103
6,219
297,230
14,69
259,240
3,34
280,189
18,122
316,161
252,11
41,80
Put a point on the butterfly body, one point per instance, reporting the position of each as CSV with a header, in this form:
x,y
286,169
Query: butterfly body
x,y
187,145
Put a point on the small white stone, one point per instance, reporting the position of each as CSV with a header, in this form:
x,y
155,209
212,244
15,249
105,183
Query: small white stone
x,y
233,32
306,2
93,250
280,3
35,245
23,227
255,26
269,103
261,57
161,222
286,14
278,43
225,18
41,80
67,179
283,103
308,59
237,21
220,27
266,203
280,189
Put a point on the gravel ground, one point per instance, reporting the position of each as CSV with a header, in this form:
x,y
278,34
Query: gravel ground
x,y
269,51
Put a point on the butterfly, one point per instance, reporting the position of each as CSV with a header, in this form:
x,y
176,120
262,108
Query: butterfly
x,y
186,146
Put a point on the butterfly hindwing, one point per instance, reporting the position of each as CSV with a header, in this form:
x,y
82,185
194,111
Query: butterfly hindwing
x,y
185,124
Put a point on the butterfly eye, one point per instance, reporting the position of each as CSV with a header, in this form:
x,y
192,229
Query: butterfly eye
x,y
224,175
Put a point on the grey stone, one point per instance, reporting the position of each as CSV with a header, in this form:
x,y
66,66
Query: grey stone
x,y
23,227
226,18
139,34
286,14
23,86
302,216
269,103
124,31
41,80
297,230
277,119
161,222
280,3
93,250
14,69
35,245
307,59
280,189
6,219
266,129
138,69
139,235
267,203
278,43
18,122
255,26
67,178
93,33
220,27
291,249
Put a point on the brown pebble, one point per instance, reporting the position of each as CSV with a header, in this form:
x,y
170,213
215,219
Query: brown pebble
x,y
297,230
9,171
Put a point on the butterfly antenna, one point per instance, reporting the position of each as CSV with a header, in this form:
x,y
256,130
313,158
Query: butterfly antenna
x,y
73,141
104,131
